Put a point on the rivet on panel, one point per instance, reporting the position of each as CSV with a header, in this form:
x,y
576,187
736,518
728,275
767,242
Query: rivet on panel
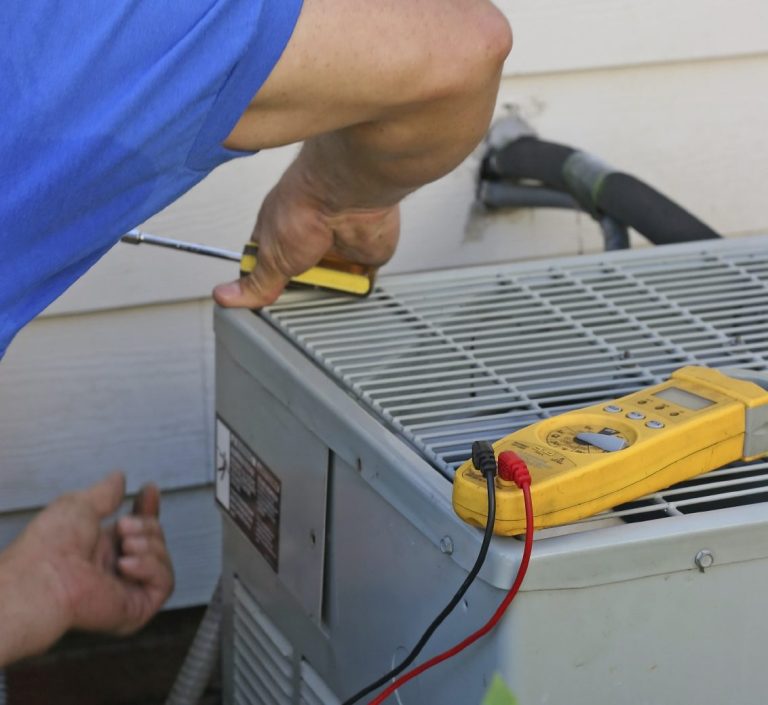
x,y
704,559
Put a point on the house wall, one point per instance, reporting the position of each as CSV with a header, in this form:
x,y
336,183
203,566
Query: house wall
x,y
119,371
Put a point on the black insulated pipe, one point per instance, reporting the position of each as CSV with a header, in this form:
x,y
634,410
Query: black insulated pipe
x,y
651,213
529,158
597,188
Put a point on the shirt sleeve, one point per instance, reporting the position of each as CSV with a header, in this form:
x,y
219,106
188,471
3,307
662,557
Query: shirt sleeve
x,y
102,131
273,29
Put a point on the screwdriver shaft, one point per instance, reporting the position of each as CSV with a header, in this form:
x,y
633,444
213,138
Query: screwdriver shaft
x,y
137,237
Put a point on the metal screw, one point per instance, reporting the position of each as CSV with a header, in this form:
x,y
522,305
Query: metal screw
x,y
446,545
704,559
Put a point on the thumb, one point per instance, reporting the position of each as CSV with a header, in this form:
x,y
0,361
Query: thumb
x,y
259,288
105,496
249,292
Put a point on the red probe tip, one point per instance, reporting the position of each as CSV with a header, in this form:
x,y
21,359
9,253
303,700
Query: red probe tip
x,y
512,468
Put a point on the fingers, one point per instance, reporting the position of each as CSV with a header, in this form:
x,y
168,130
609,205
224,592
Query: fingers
x,y
105,496
133,525
148,568
140,545
147,502
365,237
145,563
141,538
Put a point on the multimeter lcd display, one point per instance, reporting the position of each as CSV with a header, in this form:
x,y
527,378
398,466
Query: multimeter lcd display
x,y
683,398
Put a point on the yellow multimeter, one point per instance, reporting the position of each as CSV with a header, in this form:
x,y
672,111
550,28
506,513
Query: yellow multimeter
x,y
586,461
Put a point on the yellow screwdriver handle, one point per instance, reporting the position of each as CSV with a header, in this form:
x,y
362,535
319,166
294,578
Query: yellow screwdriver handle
x,y
331,273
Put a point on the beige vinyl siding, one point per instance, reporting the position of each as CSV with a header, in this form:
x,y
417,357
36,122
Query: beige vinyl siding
x,y
119,372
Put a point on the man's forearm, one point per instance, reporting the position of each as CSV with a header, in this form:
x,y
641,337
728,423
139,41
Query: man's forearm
x,y
376,164
373,166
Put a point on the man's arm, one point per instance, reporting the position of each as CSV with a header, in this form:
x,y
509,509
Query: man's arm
x,y
67,571
388,96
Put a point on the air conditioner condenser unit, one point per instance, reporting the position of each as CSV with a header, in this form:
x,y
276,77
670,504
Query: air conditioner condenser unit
x,y
340,424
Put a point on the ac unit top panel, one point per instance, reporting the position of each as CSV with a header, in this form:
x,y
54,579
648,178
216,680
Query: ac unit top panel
x,y
445,358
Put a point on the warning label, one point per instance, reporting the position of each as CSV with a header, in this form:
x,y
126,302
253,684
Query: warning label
x,y
249,491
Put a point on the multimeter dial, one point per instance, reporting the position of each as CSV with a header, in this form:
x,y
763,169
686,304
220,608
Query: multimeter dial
x,y
587,438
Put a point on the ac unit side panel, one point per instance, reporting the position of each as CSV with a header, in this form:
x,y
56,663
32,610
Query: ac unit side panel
x,y
661,640
387,582
278,476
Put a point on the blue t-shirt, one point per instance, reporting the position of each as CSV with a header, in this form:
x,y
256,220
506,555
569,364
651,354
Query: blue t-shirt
x,y
112,110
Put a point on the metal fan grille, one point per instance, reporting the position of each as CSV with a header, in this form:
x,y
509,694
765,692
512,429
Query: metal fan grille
x,y
445,358
263,657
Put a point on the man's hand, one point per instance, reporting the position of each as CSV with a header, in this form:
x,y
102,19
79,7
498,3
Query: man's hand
x,y
69,571
296,228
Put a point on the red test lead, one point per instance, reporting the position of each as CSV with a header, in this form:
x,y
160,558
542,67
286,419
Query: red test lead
x,y
517,472
512,468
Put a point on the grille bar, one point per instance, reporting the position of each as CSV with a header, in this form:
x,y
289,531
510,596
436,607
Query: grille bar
x,y
263,666
445,358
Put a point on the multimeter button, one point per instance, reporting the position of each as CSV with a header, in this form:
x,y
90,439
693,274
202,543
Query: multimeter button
x,y
612,409
602,441
635,415
655,424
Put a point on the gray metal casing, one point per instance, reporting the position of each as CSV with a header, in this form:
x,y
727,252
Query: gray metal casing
x,y
615,615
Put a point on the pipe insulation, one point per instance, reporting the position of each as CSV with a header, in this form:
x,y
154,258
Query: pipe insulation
x,y
597,187
201,659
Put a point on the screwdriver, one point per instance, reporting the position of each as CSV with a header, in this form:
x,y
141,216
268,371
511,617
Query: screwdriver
x,y
331,273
